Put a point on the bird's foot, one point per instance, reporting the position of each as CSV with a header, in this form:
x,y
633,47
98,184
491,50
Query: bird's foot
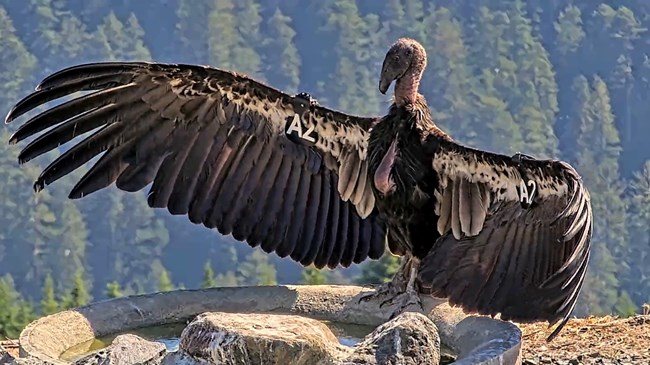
x,y
409,299
389,289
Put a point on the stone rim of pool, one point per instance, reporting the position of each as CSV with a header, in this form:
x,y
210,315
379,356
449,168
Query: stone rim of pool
x,y
475,339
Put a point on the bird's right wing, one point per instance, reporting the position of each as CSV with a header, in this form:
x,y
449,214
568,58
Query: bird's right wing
x,y
231,153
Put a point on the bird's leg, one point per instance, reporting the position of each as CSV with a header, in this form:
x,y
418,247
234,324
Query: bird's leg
x,y
397,284
410,296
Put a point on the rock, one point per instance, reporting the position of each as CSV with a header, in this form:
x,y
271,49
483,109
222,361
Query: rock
x,y
252,339
126,349
236,338
409,339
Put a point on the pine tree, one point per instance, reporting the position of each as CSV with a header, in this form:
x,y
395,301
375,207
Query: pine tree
x,y
356,51
598,150
448,75
493,125
231,25
190,30
49,304
636,277
528,84
78,296
313,276
165,282
257,270
570,33
15,312
120,41
281,56
229,279
113,290
209,280
69,249
18,64
379,271
59,36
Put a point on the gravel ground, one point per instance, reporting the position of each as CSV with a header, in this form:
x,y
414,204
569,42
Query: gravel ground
x,y
594,340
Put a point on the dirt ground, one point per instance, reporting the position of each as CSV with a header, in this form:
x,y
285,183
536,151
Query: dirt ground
x,y
593,340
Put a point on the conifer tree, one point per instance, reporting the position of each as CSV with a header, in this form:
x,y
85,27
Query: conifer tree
x,y
59,36
49,304
18,64
597,159
209,280
113,290
165,282
356,53
492,124
190,30
69,247
257,269
15,312
121,41
570,33
636,277
227,43
314,276
447,83
281,57
227,279
379,271
77,296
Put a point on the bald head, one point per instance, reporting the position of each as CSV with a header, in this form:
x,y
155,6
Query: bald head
x,y
406,57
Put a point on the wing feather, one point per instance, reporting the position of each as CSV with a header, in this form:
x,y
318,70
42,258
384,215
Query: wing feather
x,y
215,147
500,253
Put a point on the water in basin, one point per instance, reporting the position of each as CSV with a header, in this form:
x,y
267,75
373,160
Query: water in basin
x,y
168,334
347,334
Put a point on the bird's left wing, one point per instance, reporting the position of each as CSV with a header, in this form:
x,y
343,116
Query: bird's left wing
x,y
515,233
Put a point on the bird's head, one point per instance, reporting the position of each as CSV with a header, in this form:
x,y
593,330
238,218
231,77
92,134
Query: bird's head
x,y
403,56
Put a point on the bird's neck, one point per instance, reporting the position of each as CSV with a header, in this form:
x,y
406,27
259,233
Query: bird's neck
x,y
406,87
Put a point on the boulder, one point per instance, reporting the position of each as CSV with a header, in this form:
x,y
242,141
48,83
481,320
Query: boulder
x,y
237,338
409,339
256,339
127,349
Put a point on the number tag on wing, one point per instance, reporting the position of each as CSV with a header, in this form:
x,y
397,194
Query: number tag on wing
x,y
527,192
297,131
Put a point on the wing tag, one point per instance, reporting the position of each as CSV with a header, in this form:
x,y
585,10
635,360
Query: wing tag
x,y
295,127
527,192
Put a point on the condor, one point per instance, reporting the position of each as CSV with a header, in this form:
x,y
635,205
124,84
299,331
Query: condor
x,y
494,234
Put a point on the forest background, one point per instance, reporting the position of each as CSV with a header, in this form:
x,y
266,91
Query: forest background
x,y
551,78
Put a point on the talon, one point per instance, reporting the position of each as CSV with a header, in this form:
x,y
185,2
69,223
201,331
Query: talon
x,y
389,301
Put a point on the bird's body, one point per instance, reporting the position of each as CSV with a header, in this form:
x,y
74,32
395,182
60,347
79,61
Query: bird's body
x,y
406,206
493,233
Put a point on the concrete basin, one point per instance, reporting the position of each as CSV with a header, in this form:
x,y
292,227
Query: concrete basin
x,y
475,339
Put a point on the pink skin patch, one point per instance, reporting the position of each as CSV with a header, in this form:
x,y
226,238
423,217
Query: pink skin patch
x,y
383,181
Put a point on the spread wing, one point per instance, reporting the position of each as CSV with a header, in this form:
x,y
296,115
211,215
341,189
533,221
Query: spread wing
x,y
229,152
515,234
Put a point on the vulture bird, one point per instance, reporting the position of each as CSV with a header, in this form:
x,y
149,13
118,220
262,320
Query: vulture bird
x,y
495,234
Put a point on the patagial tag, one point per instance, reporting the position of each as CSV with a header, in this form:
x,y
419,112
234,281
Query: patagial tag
x,y
527,192
295,127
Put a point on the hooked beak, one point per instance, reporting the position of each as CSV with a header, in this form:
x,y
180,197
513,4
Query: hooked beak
x,y
384,84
